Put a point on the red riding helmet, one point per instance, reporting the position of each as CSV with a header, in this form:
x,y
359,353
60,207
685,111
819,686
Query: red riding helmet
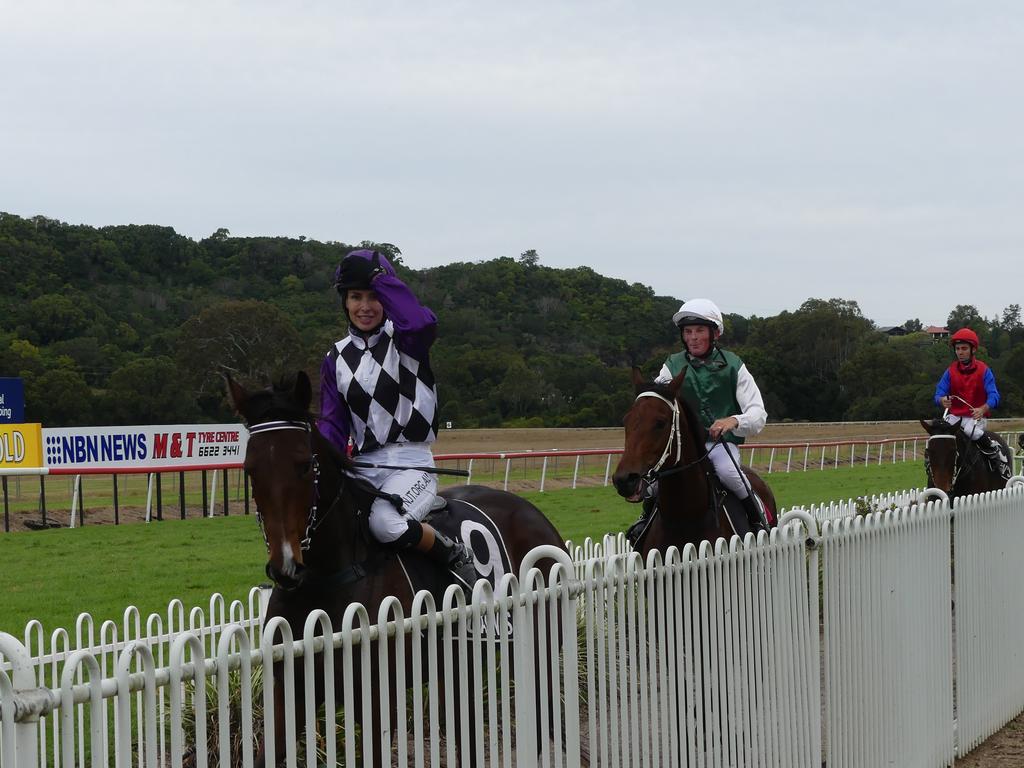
x,y
965,335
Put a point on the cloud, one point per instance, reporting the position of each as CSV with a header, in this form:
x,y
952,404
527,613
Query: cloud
x,y
759,154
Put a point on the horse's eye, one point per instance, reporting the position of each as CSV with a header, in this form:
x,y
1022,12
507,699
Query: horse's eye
x,y
661,423
304,467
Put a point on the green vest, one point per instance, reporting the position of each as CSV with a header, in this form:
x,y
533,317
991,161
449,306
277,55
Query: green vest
x,y
710,387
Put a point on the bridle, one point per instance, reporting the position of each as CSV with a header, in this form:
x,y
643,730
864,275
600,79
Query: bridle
x,y
312,522
956,457
337,579
673,445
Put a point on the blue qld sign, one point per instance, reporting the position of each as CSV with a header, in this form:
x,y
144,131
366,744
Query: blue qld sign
x,y
12,401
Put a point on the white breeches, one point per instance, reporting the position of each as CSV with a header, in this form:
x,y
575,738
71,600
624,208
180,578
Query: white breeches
x,y
416,488
727,468
973,428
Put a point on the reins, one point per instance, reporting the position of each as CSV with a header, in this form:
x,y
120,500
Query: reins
x,y
358,570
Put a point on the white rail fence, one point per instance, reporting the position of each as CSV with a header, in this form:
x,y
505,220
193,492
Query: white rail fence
x,y
726,656
517,471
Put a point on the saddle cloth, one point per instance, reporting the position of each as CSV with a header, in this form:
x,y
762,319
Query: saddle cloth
x,y
460,521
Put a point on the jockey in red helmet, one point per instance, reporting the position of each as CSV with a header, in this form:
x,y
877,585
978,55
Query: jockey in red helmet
x,y
967,390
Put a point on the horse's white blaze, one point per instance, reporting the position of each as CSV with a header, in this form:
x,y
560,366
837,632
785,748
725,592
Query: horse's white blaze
x,y
288,560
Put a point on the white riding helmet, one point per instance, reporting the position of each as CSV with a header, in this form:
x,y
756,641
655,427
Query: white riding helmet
x,y
699,312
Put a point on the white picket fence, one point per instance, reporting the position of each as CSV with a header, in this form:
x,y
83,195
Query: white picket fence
x,y
726,656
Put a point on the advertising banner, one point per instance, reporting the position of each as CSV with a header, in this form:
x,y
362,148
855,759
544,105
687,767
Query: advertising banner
x,y
167,448
12,401
21,446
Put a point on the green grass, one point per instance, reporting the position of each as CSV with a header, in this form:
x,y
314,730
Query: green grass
x,y
56,574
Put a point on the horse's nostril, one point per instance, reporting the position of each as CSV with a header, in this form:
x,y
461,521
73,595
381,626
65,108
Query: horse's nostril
x,y
626,484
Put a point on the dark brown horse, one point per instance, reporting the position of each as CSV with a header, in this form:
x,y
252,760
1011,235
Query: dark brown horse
x,y
954,463
665,442
320,553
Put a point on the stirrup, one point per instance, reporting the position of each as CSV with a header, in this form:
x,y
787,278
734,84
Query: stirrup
x,y
462,565
635,531
754,518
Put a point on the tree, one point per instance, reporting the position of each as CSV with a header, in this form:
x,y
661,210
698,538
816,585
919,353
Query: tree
x,y
253,340
529,258
806,350
913,326
54,317
59,397
147,391
1010,320
966,316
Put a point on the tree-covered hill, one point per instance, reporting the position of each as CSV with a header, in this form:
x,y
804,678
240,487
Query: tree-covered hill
x,y
134,324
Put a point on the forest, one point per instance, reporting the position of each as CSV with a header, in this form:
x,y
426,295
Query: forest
x,y
136,324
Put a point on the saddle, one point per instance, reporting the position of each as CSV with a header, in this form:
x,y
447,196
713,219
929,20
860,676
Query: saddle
x,y
992,452
721,497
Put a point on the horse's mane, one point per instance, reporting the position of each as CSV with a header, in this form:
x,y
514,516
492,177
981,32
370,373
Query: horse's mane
x,y
278,403
697,431
275,403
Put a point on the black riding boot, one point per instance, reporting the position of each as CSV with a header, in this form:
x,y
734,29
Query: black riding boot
x,y
633,533
993,453
753,514
456,557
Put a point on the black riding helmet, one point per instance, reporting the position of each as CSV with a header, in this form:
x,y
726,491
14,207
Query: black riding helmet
x,y
356,271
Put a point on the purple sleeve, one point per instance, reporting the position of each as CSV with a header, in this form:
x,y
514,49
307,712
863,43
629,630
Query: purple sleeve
x,y
415,325
334,423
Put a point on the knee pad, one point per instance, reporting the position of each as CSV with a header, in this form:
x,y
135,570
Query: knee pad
x,y
411,537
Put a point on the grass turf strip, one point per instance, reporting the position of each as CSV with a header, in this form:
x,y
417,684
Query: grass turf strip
x,y
54,575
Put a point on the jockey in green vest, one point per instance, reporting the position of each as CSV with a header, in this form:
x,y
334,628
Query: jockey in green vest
x,y
723,392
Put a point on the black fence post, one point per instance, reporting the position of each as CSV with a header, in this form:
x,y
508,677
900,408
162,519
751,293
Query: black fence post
x,y
42,496
159,497
117,514
224,491
81,500
7,511
204,493
181,493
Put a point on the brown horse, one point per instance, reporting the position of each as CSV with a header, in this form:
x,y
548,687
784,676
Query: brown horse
x,y
665,442
321,555
955,465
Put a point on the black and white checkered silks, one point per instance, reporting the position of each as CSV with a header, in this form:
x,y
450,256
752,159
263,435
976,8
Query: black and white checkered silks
x,y
392,403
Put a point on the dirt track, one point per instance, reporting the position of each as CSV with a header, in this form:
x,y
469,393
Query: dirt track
x,y
510,440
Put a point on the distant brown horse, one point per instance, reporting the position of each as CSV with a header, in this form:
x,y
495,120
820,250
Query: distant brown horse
x,y
955,465
665,442
320,553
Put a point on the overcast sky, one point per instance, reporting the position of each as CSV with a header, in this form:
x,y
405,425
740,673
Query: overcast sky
x,y
752,152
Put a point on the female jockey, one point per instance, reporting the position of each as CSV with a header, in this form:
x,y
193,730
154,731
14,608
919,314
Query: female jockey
x,y
728,401
967,390
377,395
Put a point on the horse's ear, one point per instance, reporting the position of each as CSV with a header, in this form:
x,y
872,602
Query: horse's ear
x,y
677,382
638,379
236,393
303,390
929,426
